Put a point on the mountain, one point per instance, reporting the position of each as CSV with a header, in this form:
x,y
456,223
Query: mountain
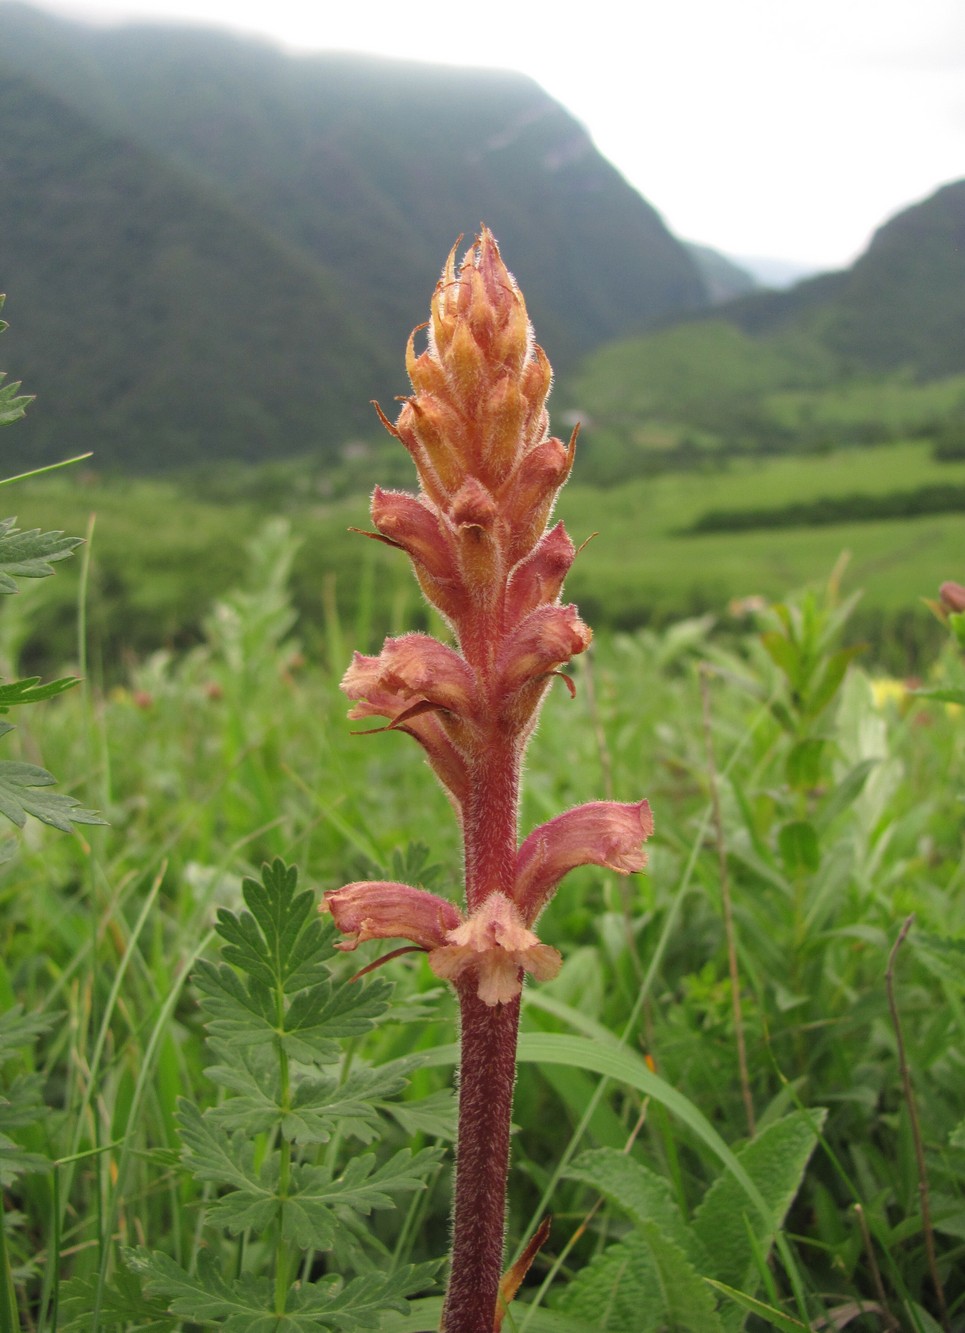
x,y
900,306
212,249
770,272
724,278
854,356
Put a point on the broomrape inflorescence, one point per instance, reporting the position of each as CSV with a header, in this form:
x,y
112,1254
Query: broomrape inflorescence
x,y
477,534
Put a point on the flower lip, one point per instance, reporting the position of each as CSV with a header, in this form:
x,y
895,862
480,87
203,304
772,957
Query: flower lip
x,y
411,668
603,833
495,946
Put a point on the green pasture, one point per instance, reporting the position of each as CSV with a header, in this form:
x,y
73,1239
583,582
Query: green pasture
x,y
159,550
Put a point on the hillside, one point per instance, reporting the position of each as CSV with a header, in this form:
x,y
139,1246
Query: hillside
x,y
900,305
867,355
212,249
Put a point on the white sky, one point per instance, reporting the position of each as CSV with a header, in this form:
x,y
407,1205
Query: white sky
x,y
784,128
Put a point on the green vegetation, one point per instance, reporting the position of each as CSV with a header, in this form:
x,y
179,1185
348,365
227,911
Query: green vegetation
x,y
840,816
159,550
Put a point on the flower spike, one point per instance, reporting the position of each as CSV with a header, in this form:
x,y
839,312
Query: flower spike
x,y
477,535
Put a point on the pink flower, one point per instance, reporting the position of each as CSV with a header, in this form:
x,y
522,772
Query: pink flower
x,y
601,833
382,909
411,669
495,947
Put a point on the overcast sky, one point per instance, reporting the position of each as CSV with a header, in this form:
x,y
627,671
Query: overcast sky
x,y
784,128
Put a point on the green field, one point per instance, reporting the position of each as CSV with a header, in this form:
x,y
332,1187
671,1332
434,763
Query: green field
x,y
159,552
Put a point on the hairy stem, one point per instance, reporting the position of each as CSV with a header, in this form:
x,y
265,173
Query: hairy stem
x,y
486,1081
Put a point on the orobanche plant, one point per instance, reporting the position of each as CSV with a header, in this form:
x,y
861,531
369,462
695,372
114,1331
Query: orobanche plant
x,y
477,534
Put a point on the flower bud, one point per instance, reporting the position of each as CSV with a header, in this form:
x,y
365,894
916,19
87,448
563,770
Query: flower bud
x,y
381,909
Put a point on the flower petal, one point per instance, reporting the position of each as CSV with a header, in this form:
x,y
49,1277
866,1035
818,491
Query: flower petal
x,y
382,909
409,668
496,945
602,833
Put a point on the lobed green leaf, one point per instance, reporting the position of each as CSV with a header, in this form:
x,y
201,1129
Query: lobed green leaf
x,y
22,794
29,555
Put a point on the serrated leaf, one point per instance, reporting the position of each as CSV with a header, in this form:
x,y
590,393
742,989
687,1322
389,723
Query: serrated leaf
x,y
16,1161
12,402
318,1107
122,1305
775,1160
310,1219
18,1029
280,940
688,1302
30,691
29,555
242,1305
643,1195
22,793
435,1115
617,1291
211,1155
677,1252
246,1305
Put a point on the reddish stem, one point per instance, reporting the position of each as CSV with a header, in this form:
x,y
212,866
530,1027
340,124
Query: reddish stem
x,y
487,1077
489,824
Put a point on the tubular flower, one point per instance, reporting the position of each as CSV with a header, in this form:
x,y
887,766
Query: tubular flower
x,y
952,596
380,909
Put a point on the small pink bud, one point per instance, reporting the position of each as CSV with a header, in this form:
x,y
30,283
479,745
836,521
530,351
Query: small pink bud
x,y
601,833
417,528
537,580
528,496
382,909
496,946
953,596
548,637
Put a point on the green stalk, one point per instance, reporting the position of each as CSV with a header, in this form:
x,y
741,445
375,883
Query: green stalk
x,y
285,1163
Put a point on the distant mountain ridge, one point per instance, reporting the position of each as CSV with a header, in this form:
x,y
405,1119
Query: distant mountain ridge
x,y
865,355
212,249
901,305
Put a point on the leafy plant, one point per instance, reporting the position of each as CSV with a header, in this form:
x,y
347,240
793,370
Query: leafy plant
x,y
666,1271
31,555
284,1198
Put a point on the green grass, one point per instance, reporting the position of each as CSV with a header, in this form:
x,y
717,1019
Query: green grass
x,y
208,763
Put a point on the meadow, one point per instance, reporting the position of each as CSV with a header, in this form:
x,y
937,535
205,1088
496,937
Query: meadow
x,y
741,1100
162,548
